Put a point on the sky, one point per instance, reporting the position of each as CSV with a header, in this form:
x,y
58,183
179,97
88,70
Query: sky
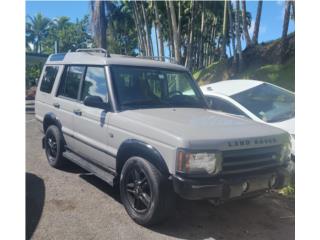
x,y
270,24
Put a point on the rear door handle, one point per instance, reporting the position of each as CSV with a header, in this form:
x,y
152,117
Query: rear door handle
x,y
77,112
56,105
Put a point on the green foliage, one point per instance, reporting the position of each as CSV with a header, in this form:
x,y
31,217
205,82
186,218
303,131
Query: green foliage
x,y
32,75
42,33
288,191
121,30
279,74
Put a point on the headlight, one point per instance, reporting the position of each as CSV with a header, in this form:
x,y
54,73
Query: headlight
x,y
198,163
285,152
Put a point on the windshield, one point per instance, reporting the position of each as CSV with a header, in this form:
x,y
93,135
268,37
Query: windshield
x,y
268,102
140,87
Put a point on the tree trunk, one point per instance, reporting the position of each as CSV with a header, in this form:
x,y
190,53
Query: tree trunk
x,y
170,40
146,29
257,24
159,28
190,40
284,40
100,24
140,28
176,35
140,38
201,49
239,50
232,32
223,55
293,9
245,24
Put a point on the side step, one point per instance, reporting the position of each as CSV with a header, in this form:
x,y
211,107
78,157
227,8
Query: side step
x,y
89,166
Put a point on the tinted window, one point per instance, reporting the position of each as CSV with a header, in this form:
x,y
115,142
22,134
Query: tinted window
x,y
138,87
48,79
95,84
268,102
219,104
70,81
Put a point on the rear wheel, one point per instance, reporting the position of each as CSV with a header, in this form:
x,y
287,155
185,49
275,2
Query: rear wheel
x,y
146,193
54,147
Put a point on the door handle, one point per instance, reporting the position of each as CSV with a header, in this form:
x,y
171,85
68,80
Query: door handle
x,y
77,112
56,105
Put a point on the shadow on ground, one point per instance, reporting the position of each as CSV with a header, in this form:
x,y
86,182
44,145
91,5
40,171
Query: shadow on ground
x,y
102,186
267,217
35,195
261,218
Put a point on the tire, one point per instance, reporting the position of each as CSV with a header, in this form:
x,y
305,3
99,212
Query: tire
x,y
154,200
54,147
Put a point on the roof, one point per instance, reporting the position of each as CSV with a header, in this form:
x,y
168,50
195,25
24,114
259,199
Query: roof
x,y
95,58
229,87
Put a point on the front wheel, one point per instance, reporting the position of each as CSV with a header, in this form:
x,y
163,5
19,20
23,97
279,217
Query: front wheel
x,y
146,193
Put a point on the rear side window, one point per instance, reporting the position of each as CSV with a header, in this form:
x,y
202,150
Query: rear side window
x,y
70,82
49,76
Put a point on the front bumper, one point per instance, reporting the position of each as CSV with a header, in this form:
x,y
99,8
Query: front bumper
x,y
228,187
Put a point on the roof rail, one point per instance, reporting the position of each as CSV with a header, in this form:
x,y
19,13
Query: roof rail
x,y
158,58
102,50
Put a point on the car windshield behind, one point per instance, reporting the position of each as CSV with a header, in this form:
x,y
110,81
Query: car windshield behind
x,y
141,87
268,102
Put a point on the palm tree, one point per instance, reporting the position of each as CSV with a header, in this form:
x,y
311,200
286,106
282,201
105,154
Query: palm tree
x,y
36,30
230,10
286,19
99,22
257,24
223,55
159,30
176,32
188,61
245,23
237,22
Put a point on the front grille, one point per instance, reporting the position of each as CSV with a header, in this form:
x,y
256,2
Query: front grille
x,y
244,160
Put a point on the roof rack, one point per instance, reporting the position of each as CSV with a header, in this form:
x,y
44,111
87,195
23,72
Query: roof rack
x,y
158,58
101,50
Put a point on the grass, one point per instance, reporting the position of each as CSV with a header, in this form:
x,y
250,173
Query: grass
x,y
279,74
288,191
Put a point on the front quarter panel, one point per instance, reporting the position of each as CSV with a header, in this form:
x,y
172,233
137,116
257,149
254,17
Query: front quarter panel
x,y
123,129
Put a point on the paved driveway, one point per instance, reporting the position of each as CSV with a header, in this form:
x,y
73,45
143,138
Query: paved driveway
x,y
73,204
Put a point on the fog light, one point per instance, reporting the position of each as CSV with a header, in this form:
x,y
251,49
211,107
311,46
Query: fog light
x,y
245,186
273,181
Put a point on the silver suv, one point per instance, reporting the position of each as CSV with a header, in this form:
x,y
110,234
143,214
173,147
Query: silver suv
x,y
144,126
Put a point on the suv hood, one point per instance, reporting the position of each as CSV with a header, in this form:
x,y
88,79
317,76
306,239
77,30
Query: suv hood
x,y
196,128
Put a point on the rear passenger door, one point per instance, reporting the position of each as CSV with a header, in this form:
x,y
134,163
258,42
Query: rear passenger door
x,y
65,101
91,123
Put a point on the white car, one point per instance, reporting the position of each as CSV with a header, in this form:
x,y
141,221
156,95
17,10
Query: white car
x,y
259,101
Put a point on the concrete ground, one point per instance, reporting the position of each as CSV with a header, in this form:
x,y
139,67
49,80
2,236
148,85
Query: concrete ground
x,y
72,204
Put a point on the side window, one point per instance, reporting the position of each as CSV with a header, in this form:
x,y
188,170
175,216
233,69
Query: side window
x,y
95,84
48,78
70,82
219,104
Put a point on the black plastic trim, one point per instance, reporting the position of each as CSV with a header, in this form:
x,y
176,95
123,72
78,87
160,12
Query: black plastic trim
x,y
134,147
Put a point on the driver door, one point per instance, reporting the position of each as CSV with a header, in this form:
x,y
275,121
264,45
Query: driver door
x,y
91,123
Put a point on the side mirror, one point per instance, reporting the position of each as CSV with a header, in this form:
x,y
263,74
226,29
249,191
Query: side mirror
x,y
96,102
